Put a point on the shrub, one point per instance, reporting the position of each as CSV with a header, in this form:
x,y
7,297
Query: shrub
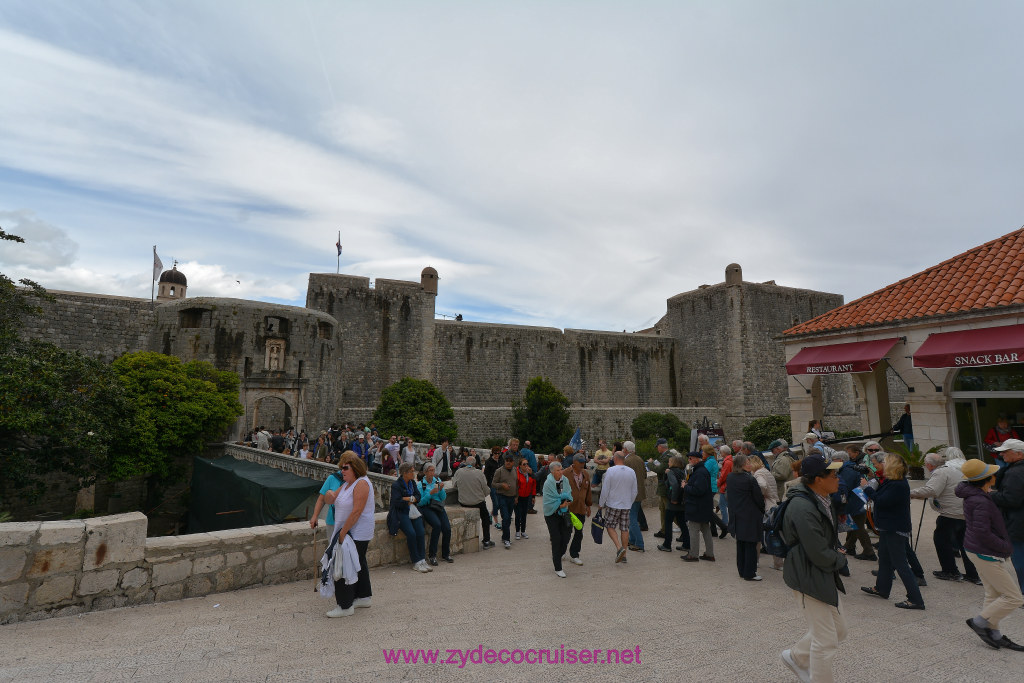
x,y
542,417
849,434
764,430
652,426
494,441
416,408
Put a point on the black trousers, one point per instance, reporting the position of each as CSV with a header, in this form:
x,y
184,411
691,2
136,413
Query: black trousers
x,y
679,518
859,534
522,512
346,593
746,558
949,536
558,529
485,518
577,538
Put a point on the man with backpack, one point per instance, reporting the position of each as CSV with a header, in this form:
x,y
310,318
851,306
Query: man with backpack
x,y
808,528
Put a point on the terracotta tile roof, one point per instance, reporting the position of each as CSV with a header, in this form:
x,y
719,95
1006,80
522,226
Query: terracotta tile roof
x,y
988,276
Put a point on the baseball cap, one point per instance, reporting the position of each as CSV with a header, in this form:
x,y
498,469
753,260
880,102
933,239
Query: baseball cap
x,y
579,457
1012,445
814,464
662,442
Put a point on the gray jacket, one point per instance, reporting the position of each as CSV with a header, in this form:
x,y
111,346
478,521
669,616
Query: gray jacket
x,y
941,487
813,564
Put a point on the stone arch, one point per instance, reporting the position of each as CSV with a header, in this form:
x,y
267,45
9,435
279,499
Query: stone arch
x,y
273,409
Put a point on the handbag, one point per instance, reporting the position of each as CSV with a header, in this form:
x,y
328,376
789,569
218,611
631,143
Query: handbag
x,y
414,512
597,528
576,522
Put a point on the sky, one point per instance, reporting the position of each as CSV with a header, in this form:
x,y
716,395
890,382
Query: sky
x,y
571,164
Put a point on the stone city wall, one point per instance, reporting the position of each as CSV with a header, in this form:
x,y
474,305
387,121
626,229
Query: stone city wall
x,y
50,569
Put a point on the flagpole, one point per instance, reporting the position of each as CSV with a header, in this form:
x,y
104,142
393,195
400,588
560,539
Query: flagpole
x,y
152,287
339,254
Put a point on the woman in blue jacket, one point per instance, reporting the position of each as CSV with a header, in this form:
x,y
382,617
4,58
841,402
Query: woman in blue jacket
x,y
892,521
432,497
404,495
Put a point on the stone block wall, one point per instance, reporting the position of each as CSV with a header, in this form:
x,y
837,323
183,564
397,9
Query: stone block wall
x,y
52,569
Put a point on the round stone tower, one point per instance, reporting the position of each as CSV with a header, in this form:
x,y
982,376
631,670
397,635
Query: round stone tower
x,y
428,280
173,284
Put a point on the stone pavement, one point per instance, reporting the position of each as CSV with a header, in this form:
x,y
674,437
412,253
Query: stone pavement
x,y
691,622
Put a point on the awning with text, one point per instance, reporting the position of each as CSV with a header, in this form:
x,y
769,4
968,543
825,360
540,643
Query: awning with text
x,y
972,348
833,359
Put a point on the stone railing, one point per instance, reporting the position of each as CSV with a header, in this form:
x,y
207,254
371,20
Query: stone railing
x,y
312,469
50,569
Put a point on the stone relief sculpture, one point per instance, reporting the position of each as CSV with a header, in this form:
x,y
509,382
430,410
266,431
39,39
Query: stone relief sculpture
x,y
275,355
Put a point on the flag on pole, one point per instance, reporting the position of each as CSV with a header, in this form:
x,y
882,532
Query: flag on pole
x,y
576,441
158,266
338,245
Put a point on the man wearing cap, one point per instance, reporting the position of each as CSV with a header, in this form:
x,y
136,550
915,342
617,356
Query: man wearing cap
x,y
579,486
943,478
782,468
659,466
1010,499
618,491
812,568
506,483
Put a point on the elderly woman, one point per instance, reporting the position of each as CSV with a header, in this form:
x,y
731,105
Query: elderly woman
x,y
675,479
987,540
403,514
353,508
526,490
891,495
557,497
432,497
746,514
770,491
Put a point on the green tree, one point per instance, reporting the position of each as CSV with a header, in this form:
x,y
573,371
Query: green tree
x,y
661,425
542,417
16,302
60,412
764,430
179,408
416,408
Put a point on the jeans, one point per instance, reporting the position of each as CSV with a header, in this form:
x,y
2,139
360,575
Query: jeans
x,y
696,530
892,555
677,517
439,526
345,593
1018,562
494,502
746,559
949,537
636,538
558,529
908,441
522,511
723,507
485,518
414,537
577,538
505,505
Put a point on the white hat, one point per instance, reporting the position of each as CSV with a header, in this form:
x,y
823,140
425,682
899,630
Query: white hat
x,y
1012,445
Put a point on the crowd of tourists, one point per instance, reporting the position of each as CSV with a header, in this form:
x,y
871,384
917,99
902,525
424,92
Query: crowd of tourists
x,y
814,493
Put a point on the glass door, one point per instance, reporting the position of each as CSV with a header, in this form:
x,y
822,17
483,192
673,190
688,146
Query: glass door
x,y
967,428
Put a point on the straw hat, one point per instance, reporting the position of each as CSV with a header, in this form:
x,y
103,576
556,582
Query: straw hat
x,y
977,470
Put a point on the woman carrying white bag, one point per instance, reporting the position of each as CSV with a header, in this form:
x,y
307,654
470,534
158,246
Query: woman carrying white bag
x,y
353,510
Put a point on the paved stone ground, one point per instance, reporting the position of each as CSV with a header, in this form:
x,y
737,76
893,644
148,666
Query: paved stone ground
x,y
692,622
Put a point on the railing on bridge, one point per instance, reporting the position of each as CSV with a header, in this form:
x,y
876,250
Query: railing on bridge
x,y
311,469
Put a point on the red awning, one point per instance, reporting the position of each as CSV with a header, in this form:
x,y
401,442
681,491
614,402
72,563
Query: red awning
x,y
972,348
840,358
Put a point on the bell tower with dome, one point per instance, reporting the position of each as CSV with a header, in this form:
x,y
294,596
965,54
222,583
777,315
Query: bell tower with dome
x,y
173,284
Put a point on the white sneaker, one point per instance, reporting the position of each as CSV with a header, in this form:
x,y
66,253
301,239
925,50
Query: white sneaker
x,y
421,567
518,535
339,612
524,535
803,674
560,573
756,577
575,560
361,602
508,544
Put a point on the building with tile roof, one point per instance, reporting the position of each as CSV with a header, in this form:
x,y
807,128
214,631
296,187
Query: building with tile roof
x,y
948,341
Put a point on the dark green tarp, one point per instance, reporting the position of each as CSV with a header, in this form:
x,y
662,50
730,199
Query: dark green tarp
x,y
228,493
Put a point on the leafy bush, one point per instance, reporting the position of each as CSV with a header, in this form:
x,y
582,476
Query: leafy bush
x,y
542,417
416,408
849,434
764,430
653,426
494,441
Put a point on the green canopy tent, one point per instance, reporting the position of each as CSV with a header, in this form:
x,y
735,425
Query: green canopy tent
x,y
228,493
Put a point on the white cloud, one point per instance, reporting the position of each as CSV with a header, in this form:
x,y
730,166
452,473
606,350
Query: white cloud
x,y
46,246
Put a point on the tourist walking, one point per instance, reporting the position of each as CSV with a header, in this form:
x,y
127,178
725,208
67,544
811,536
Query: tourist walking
x,y
675,479
556,499
950,525
618,491
431,504
526,489
891,513
699,504
724,470
405,516
659,466
1010,499
782,466
492,465
710,456
353,508
746,515
506,483
853,506
473,490
635,463
763,476
579,486
987,539
812,569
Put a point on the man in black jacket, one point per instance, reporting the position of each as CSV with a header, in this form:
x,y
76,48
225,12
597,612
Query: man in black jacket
x,y
699,504
1010,499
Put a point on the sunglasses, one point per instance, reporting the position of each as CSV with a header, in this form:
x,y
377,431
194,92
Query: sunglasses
x,y
873,450
345,468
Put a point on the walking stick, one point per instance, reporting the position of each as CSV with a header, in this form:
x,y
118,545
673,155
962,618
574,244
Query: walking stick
x,y
924,504
315,579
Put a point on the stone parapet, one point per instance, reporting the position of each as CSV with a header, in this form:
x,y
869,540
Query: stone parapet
x,y
52,569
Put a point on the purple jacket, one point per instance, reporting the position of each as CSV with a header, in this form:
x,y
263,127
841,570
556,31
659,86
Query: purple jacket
x,y
986,530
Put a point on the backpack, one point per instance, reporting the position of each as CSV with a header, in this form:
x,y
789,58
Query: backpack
x,y
774,543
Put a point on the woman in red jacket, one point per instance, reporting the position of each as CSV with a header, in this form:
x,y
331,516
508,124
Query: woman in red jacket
x,y
527,489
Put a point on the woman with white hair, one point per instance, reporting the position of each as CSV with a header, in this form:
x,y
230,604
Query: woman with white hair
x,y
557,496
